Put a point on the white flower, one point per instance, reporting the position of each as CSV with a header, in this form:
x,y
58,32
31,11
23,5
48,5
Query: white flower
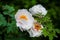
x,y
36,30
24,19
38,9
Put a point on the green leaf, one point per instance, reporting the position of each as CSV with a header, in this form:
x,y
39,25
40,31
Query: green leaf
x,y
45,32
8,9
50,37
57,30
11,27
2,20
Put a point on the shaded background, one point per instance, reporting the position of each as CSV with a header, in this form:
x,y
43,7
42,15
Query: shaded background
x,y
53,7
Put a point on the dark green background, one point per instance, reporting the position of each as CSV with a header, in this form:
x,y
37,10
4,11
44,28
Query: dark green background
x,y
53,7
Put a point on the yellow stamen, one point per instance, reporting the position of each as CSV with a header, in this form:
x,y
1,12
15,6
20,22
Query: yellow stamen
x,y
23,17
37,26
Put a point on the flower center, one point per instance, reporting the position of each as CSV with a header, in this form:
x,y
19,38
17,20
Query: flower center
x,y
24,17
37,26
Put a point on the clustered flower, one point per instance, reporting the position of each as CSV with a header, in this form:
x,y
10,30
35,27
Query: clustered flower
x,y
26,22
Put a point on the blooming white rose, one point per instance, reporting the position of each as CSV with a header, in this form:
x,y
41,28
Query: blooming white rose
x,y
36,30
24,19
38,9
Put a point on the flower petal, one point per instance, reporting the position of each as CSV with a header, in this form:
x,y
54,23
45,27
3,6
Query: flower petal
x,y
35,33
24,19
38,9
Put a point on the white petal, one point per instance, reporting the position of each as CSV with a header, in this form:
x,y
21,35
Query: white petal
x,y
33,33
24,24
38,9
